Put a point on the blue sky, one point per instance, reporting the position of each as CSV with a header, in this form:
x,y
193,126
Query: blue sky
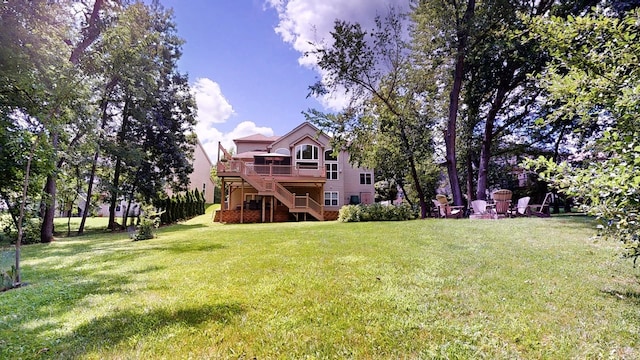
x,y
246,65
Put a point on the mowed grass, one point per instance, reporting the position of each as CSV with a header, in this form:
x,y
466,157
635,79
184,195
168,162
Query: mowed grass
x,y
515,288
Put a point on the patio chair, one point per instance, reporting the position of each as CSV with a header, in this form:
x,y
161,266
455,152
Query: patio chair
x,y
446,210
502,199
482,210
542,210
522,208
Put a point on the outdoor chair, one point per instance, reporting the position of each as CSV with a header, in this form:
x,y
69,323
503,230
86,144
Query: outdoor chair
x,y
522,208
542,210
502,200
446,210
482,210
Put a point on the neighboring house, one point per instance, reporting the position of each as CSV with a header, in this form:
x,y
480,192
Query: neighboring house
x,y
199,179
290,177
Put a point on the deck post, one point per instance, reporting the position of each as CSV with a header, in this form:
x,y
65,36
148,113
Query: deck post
x,y
222,198
242,202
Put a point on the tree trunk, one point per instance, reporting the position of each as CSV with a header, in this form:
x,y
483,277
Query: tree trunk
x,y
46,230
118,168
125,214
487,142
17,280
414,172
469,178
87,203
114,196
454,99
96,155
450,134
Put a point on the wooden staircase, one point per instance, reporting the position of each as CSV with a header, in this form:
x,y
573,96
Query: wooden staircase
x,y
297,204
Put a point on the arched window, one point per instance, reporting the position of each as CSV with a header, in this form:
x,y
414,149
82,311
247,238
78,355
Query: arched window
x,y
307,156
331,165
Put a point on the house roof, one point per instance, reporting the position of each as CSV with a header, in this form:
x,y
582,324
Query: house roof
x,y
257,138
249,154
252,154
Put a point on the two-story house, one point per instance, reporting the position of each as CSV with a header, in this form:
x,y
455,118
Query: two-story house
x,y
297,176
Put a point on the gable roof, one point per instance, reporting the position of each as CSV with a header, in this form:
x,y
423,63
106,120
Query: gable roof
x,y
312,132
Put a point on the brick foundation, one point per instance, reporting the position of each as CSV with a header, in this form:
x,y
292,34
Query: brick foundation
x,y
281,214
330,215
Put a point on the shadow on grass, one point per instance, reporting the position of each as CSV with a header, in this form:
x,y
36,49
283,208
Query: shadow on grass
x,y
168,229
186,247
631,296
42,302
572,220
121,326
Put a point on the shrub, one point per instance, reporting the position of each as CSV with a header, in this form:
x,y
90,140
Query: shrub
x,y
9,232
375,212
349,213
149,222
7,278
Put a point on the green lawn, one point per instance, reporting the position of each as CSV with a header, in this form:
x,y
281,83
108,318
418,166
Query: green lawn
x,y
514,288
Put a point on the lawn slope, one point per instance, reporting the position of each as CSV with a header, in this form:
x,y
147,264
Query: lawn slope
x,y
514,288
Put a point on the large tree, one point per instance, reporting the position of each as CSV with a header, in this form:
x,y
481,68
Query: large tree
x,y
71,125
148,110
441,38
501,96
386,124
40,90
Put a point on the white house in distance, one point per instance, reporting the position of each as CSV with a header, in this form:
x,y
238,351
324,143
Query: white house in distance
x,y
290,177
200,178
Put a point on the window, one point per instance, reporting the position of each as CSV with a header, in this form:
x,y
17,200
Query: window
x,y
328,156
204,186
307,156
331,165
332,171
330,198
307,152
365,179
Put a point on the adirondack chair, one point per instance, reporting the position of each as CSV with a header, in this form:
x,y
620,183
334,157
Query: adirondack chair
x,y
446,210
502,199
522,208
542,210
482,210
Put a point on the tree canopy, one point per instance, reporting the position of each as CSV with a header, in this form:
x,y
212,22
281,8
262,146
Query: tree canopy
x,y
387,123
90,93
595,77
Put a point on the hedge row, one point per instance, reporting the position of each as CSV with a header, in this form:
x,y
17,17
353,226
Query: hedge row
x,y
375,212
181,207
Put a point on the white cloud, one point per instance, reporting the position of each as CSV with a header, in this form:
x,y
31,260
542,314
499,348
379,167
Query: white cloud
x,y
305,22
214,110
214,136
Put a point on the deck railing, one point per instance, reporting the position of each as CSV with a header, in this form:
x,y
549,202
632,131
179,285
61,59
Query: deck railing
x,y
306,202
249,168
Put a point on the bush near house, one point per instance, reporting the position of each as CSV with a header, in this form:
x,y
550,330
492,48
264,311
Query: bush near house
x,y
375,212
